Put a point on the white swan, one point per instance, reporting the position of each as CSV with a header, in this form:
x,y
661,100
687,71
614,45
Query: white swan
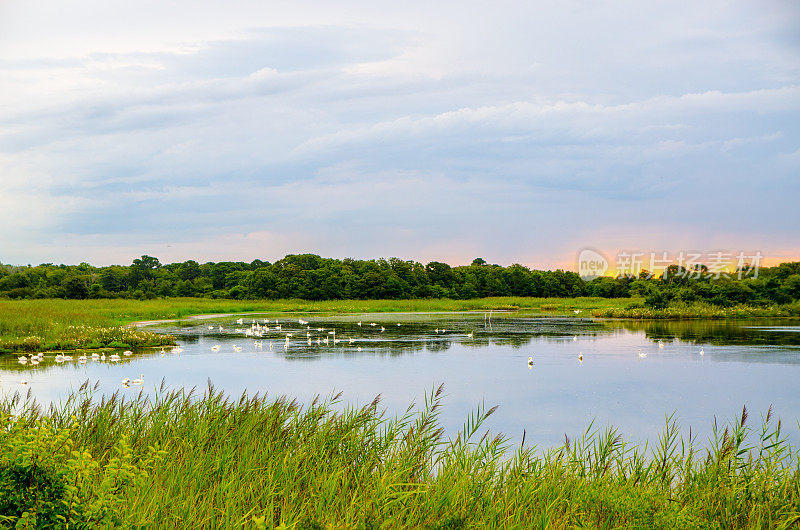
x,y
215,347
530,361
580,356
127,352
139,381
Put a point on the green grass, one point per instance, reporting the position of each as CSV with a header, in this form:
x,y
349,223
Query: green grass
x,y
213,462
696,310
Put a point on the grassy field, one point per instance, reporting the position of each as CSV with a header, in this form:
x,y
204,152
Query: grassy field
x,y
212,462
35,325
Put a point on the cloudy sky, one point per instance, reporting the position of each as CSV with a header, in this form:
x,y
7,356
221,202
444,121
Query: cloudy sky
x,y
514,130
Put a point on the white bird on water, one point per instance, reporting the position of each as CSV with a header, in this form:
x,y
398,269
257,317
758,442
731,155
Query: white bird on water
x,y
383,329
530,361
359,323
114,357
23,381
580,356
576,311
126,381
701,351
642,354
215,347
470,334
660,345
139,381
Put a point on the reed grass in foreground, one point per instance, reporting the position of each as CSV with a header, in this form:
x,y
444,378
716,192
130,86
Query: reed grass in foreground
x,y
213,462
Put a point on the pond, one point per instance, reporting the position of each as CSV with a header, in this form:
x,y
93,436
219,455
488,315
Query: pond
x,y
621,373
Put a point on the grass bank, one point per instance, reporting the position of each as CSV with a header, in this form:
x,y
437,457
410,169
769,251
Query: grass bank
x,y
213,462
36,325
696,310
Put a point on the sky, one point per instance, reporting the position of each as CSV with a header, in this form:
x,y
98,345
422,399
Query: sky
x,y
517,131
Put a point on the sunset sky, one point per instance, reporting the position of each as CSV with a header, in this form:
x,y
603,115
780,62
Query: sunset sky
x,y
515,131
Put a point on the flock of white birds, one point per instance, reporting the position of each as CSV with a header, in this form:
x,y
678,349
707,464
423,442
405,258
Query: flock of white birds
x,y
318,336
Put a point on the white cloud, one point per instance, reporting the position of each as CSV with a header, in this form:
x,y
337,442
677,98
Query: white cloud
x,y
384,129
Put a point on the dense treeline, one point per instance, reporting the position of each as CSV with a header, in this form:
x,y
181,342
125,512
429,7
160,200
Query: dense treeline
x,y
312,277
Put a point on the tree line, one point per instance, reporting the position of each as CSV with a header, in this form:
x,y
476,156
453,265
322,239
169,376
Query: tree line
x,y
312,277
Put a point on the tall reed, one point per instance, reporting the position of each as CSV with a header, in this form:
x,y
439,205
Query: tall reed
x,y
211,461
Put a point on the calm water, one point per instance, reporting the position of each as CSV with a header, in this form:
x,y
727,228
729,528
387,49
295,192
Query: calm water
x,y
744,363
